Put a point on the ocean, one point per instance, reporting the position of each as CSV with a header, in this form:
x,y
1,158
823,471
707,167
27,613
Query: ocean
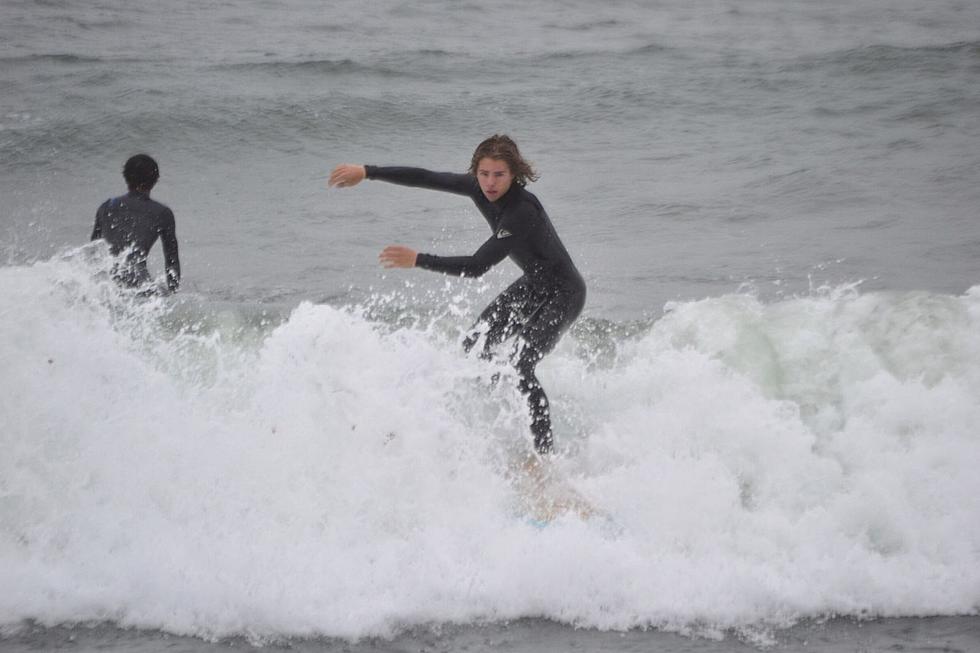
x,y
771,396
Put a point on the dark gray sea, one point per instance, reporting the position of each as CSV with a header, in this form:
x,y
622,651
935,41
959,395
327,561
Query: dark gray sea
x,y
771,397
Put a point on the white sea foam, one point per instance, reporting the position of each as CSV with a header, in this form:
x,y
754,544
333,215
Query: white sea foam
x,y
336,475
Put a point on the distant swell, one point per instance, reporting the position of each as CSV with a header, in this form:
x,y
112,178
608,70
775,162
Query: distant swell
x,y
401,66
878,59
330,66
53,57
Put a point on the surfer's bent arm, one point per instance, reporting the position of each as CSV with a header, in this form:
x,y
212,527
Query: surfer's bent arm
x,y
450,182
490,253
512,230
97,229
168,236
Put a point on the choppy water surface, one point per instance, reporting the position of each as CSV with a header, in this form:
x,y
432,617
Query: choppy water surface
x,y
772,390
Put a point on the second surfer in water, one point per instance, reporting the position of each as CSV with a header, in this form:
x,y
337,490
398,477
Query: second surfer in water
x,y
539,306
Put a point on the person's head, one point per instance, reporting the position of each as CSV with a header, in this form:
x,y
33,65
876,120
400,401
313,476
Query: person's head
x,y
497,163
141,172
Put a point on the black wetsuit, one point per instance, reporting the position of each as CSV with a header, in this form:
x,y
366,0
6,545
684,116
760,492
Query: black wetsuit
x,y
132,223
539,306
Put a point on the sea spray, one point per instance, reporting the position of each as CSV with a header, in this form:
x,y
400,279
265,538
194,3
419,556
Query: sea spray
x,y
324,471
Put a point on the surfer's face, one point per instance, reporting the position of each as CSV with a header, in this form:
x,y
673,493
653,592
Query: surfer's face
x,y
495,178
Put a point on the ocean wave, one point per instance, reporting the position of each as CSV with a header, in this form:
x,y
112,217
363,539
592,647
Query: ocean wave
x,y
605,54
56,58
318,66
213,470
213,124
884,59
400,64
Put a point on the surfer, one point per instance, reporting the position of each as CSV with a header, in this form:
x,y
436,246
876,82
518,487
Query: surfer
x,y
539,306
132,223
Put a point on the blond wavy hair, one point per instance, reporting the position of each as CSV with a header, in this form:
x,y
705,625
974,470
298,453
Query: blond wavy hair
x,y
503,148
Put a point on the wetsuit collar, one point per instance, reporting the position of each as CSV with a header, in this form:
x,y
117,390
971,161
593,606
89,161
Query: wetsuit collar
x,y
504,200
142,194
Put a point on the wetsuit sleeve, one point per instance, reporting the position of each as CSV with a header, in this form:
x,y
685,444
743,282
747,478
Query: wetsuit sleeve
x,y
512,230
449,182
490,253
168,236
97,229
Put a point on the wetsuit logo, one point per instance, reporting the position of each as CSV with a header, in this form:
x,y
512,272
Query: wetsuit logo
x,y
503,233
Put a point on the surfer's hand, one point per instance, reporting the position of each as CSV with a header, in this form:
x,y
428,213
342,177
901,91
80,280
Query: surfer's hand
x,y
347,174
397,256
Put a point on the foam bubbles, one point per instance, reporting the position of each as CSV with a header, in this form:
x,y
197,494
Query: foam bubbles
x,y
330,474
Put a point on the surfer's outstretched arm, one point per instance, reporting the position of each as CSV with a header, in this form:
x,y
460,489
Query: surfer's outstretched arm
x,y
348,174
